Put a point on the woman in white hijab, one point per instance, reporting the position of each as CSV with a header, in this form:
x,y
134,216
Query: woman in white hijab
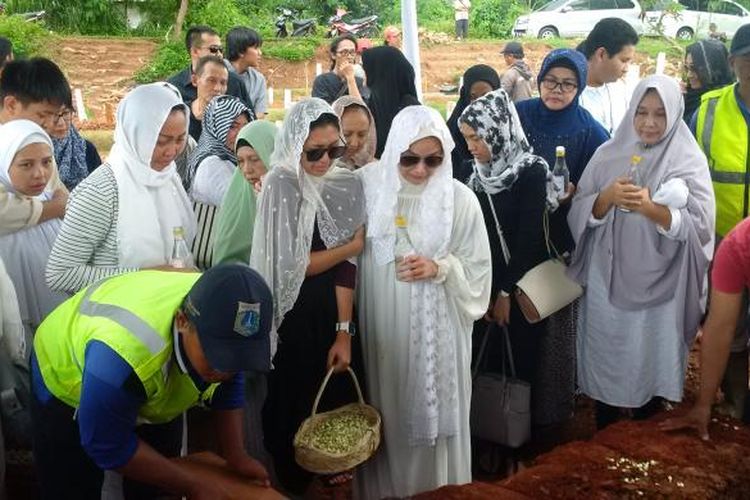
x,y
358,129
643,221
417,311
122,217
26,159
308,230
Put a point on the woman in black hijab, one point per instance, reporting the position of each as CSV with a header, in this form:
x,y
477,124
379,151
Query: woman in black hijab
x,y
390,78
478,80
706,68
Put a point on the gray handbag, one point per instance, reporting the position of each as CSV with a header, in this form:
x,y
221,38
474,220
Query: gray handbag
x,y
500,404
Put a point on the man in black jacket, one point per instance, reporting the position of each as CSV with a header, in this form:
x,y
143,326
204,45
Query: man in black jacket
x,y
203,41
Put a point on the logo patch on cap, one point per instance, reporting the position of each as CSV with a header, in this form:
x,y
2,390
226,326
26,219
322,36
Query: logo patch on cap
x,y
247,320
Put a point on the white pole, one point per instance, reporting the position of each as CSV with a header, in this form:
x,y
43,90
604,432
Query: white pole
x,y
287,98
270,95
661,63
318,69
81,109
411,40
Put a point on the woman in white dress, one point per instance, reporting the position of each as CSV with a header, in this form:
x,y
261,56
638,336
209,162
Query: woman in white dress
x,y
416,316
644,237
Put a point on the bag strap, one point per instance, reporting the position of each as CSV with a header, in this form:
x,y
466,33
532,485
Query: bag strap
x,y
503,243
506,337
507,349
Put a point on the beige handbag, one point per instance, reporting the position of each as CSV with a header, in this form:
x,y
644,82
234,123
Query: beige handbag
x,y
545,288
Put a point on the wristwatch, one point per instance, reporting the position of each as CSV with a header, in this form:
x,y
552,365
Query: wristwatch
x,y
346,326
504,294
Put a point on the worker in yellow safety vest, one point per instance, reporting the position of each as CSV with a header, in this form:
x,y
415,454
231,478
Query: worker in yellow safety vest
x,y
115,366
721,128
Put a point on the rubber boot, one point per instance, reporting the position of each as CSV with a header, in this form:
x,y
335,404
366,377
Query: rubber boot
x,y
734,384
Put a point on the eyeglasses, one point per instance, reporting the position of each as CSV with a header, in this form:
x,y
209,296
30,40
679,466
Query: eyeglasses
x,y
346,52
66,116
333,153
216,49
564,86
409,161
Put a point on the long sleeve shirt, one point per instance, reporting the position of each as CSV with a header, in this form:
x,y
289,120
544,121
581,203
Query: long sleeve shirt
x,y
20,212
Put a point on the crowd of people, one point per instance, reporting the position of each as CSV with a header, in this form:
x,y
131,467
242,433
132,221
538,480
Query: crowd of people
x,y
365,232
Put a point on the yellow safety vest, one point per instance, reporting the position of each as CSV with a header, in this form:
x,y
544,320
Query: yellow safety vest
x,y
722,134
133,314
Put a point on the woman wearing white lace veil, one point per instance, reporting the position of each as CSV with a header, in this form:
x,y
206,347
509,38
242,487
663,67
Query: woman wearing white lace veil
x,y
416,316
309,227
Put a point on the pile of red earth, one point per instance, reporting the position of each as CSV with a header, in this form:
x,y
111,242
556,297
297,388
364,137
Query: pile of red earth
x,y
629,460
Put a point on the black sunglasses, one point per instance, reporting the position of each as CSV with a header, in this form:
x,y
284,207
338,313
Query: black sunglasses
x,y
216,49
429,161
333,153
564,86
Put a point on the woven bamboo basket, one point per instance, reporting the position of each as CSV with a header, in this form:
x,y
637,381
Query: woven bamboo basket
x,y
321,461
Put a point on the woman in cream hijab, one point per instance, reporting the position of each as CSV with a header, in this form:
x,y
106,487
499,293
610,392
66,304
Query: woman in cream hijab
x,y
122,217
358,130
416,313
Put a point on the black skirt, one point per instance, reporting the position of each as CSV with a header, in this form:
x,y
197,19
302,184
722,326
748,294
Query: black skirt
x,y
305,337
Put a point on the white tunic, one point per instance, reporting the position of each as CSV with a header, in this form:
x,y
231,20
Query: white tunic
x,y
607,103
625,358
398,469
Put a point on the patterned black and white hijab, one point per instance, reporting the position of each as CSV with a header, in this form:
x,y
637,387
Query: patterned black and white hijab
x,y
217,120
495,120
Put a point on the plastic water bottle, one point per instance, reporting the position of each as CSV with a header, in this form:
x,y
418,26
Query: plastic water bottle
x,y
560,173
181,256
403,246
634,175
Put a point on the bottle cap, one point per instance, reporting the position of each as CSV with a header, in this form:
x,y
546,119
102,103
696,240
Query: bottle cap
x,y
635,160
400,221
178,231
560,151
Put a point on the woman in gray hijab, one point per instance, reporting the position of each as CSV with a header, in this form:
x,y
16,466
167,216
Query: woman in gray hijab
x,y
643,221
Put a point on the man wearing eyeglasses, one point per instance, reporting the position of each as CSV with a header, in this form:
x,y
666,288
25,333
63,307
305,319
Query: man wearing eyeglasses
x,y
203,41
36,90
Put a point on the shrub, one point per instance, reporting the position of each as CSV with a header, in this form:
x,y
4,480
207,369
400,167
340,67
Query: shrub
x,y
29,39
88,17
170,58
296,49
494,18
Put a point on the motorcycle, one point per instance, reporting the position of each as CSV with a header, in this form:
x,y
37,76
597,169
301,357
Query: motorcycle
x,y
300,27
363,27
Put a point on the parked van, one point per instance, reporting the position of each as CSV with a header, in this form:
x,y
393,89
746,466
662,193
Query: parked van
x,y
575,18
695,17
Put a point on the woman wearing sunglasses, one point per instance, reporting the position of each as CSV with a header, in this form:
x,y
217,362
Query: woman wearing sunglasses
x,y
425,278
307,232
706,68
514,188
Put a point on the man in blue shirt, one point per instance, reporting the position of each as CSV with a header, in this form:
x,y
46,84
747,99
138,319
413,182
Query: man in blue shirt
x,y
153,344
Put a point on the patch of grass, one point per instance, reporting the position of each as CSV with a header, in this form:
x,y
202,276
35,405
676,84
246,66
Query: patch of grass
x,y
102,139
29,39
292,49
653,45
170,58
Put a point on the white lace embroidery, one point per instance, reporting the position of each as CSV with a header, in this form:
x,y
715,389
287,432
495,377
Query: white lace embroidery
x,y
289,203
431,395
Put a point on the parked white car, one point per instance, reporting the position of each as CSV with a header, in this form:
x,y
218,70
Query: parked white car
x,y
575,18
695,18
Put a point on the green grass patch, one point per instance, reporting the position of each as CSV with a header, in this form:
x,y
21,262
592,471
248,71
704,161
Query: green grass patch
x,y
293,49
170,58
102,139
29,39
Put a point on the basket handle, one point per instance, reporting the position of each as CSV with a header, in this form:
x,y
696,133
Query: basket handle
x,y
325,383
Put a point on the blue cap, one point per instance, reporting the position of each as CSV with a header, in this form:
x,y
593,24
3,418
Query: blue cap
x,y
231,307
741,41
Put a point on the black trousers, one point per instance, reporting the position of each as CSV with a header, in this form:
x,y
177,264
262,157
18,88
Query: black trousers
x,y
64,470
462,28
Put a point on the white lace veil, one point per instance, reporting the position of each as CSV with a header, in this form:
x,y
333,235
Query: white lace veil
x,y
289,204
431,396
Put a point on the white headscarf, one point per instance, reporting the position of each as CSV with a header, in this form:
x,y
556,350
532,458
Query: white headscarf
x,y
431,396
289,203
151,203
25,252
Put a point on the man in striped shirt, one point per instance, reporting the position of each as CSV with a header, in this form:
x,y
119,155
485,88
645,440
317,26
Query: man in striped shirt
x,y
36,90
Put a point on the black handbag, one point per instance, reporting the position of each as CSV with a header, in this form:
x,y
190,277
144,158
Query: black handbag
x,y
500,404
